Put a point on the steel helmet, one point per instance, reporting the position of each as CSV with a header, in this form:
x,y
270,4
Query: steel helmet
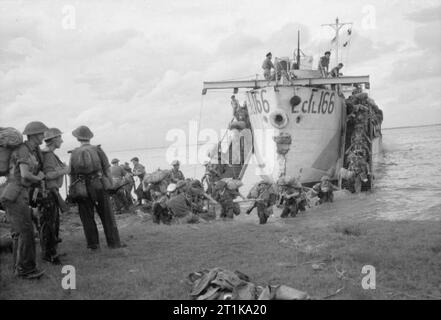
x,y
82,133
171,187
175,163
114,161
52,133
35,127
325,178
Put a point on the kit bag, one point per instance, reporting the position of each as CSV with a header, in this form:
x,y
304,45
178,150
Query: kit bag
x,y
10,139
86,160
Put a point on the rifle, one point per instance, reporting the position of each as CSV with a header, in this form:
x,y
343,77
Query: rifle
x,y
115,190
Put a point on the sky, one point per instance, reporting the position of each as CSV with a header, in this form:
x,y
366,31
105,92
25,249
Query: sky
x,y
133,70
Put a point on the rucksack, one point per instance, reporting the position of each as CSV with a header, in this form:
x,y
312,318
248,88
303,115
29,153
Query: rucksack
x,y
10,139
85,160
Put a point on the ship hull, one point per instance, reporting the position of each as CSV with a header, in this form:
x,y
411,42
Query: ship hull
x,y
314,120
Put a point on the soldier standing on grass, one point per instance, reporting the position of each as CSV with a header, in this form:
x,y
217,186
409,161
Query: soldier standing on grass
x,y
54,170
139,171
25,176
90,176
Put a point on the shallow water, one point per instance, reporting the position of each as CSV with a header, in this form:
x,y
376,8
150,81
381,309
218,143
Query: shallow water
x,y
408,184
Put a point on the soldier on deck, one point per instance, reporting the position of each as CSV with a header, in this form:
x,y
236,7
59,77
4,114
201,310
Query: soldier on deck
x,y
324,64
335,72
267,66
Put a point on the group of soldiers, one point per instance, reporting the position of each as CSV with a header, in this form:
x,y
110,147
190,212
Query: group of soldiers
x,y
289,194
270,71
32,195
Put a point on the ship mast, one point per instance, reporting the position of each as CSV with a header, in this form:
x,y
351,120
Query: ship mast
x,y
337,26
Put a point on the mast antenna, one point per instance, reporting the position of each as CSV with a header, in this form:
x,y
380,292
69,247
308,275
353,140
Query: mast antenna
x,y
337,26
298,49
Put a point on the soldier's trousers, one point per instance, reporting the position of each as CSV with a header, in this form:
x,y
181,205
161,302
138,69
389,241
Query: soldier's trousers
x,y
49,227
22,231
290,208
229,209
264,211
98,199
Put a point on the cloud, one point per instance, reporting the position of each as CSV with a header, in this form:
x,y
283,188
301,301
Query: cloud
x,y
133,70
426,15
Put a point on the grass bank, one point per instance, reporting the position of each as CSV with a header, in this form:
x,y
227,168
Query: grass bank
x,y
321,252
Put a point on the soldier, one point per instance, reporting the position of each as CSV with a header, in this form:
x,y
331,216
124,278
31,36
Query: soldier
x,y
118,176
161,213
179,205
54,171
360,167
265,197
325,190
292,196
335,72
90,170
225,197
139,171
324,64
129,182
267,66
176,174
25,175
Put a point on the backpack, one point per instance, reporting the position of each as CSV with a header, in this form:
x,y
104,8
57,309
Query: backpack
x,y
86,160
10,139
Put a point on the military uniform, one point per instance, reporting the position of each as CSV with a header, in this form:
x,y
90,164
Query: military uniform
x,y
51,207
119,198
325,190
139,171
324,65
16,200
229,207
97,197
176,175
290,186
267,65
161,213
266,198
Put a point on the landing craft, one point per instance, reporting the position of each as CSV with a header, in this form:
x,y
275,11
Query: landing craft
x,y
306,116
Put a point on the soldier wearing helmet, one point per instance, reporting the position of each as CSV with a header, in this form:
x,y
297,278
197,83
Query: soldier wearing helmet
x,y
292,196
90,182
325,189
24,180
54,170
119,178
176,174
